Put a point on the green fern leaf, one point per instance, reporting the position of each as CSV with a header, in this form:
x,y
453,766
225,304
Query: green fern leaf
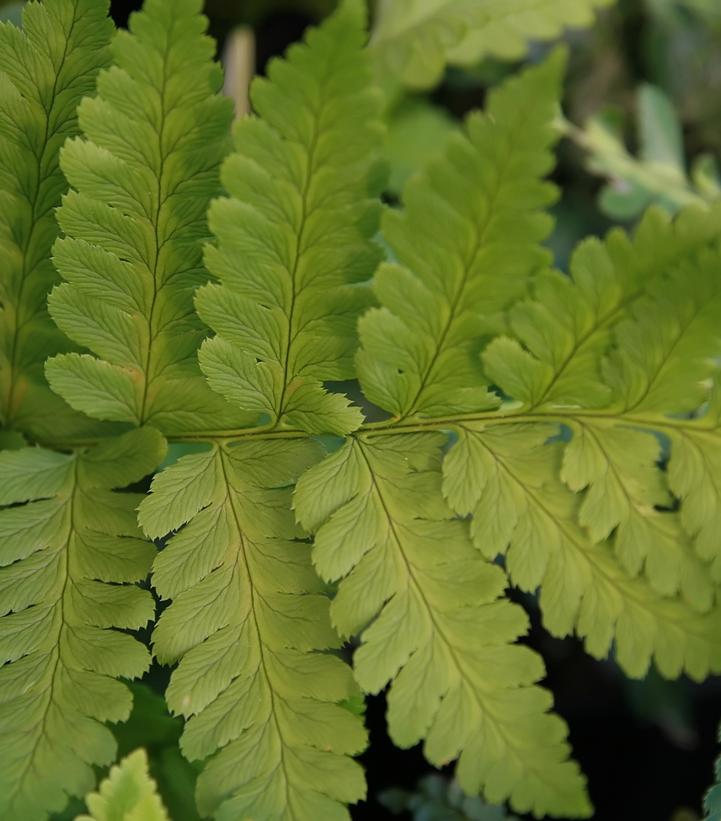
x,y
45,69
294,238
437,630
70,548
587,354
127,794
570,324
665,343
415,40
507,477
246,617
467,241
143,177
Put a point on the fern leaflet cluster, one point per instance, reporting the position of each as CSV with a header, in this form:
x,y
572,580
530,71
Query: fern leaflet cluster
x,y
303,209
248,613
438,630
142,176
557,433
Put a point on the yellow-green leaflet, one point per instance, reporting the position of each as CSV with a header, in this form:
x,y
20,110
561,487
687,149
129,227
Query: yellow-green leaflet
x,y
127,794
428,608
619,369
143,176
45,69
69,552
507,477
247,615
295,237
694,473
467,240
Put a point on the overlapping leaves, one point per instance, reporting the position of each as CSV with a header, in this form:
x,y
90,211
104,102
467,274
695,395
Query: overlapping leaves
x,y
248,613
513,471
565,396
619,360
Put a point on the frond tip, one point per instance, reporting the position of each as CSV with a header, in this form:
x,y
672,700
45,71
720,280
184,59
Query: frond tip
x,y
142,176
127,793
295,247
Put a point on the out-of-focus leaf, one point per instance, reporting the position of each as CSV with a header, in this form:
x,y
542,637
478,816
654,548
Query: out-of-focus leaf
x,y
12,12
176,778
658,175
435,798
414,40
669,10
417,132
151,725
712,801
127,794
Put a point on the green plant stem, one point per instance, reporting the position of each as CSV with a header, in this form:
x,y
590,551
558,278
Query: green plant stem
x,y
415,425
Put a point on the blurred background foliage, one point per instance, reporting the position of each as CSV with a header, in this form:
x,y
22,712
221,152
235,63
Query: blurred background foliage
x,y
642,122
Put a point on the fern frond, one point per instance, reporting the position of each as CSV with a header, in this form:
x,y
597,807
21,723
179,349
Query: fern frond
x,y
70,548
438,630
414,41
611,355
294,238
575,317
665,346
45,69
246,617
127,794
466,242
659,174
143,176
507,477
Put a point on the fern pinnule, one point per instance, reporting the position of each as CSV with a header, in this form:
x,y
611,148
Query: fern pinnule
x,y
295,235
135,222
467,241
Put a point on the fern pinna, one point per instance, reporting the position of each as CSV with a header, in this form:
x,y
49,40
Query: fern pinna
x,y
554,432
